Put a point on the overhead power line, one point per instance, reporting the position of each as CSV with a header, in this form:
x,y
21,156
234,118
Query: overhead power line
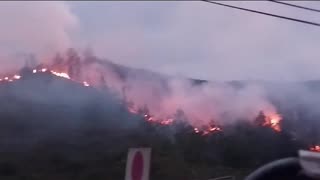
x,y
294,5
264,13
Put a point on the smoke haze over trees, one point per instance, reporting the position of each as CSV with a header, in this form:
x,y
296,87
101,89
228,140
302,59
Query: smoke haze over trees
x,y
52,127
74,120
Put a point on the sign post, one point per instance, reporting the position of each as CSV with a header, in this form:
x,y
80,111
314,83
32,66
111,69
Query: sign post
x,y
138,164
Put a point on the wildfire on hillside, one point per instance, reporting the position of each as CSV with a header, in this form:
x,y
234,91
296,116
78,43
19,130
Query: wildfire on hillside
x,y
204,130
61,74
70,70
42,70
273,121
270,119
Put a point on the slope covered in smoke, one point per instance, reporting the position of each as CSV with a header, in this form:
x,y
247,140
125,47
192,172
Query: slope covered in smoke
x,y
52,127
59,128
165,99
229,102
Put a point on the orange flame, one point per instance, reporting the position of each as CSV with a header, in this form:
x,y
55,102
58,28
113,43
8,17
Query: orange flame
x,y
16,76
273,121
207,130
166,122
34,71
10,78
85,83
64,75
196,130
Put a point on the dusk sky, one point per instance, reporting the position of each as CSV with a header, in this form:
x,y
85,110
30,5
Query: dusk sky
x,y
192,39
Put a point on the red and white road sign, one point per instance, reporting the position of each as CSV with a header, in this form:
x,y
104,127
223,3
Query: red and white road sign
x,y
138,164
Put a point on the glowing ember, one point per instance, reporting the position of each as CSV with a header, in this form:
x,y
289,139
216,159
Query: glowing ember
x,y
315,148
59,74
196,130
85,83
16,77
64,75
273,121
215,129
166,122
148,117
207,130
10,79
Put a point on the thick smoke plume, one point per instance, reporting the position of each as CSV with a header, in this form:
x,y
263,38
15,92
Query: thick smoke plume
x,y
39,27
44,27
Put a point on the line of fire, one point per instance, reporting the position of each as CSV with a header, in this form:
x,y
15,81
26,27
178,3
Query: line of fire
x,y
69,70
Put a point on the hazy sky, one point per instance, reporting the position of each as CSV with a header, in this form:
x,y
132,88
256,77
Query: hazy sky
x,y
194,39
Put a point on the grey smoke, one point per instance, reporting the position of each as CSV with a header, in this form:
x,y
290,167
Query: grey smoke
x,y
199,40
41,28
189,39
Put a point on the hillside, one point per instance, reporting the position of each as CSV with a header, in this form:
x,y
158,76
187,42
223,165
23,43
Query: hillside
x,y
53,128
76,117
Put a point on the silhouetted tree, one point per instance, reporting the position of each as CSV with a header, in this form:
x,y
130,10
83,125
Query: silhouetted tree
x,y
260,119
74,63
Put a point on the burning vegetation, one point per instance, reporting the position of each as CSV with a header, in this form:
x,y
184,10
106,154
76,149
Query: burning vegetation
x,y
198,128
82,71
72,70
